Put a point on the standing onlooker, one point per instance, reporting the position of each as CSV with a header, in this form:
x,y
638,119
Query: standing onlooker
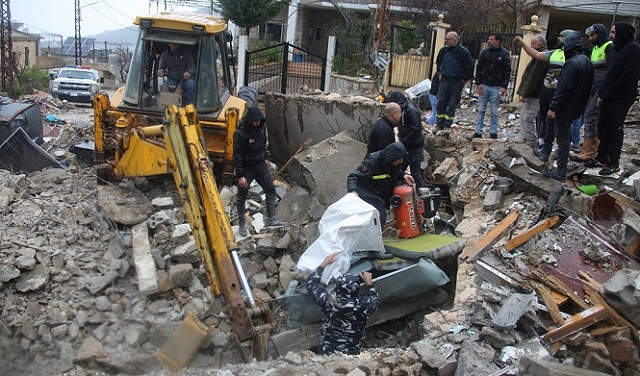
x,y
568,103
373,181
601,57
617,93
455,65
410,133
492,79
529,92
382,132
555,60
250,162
344,311
433,98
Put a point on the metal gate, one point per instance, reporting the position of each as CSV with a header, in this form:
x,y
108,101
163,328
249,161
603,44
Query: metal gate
x,y
284,68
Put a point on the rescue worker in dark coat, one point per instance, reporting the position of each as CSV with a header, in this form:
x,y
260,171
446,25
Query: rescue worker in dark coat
x,y
617,94
373,181
250,162
410,132
344,311
568,103
382,132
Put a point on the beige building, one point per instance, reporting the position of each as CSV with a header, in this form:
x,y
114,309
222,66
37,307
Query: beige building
x,y
25,48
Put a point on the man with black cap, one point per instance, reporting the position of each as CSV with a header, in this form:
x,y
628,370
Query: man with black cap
x,y
410,132
617,93
568,103
555,60
601,57
373,181
344,311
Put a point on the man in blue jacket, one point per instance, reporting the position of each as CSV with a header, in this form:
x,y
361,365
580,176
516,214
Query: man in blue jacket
x,y
455,65
568,103
492,79
410,132
250,162
344,311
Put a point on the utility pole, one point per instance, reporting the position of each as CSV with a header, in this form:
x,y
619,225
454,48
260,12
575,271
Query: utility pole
x,y
78,38
6,47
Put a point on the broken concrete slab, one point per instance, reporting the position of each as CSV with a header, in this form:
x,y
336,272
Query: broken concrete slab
x,y
622,292
475,359
292,119
294,206
537,367
323,168
123,204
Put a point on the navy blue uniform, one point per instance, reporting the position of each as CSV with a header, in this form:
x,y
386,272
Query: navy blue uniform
x,y
344,312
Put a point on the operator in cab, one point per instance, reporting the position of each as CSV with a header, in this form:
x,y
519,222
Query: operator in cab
x,y
177,65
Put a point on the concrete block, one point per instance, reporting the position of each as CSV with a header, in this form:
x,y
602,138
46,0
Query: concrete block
x,y
294,206
145,266
536,367
493,200
323,168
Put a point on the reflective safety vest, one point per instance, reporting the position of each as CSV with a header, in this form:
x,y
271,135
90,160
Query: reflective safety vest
x,y
599,57
556,61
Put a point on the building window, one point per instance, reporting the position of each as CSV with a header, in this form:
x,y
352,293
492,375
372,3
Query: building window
x,y
272,31
317,33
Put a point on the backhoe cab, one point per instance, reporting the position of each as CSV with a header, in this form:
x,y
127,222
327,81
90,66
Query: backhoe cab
x,y
128,138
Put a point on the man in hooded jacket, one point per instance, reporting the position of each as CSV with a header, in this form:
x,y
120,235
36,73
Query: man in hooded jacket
x,y
373,181
616,95
601,57
344,311
568,103
250,162
410,132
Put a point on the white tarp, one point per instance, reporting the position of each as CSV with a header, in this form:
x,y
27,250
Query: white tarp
x,y
347,226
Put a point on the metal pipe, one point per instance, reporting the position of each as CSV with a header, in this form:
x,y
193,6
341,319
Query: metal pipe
x,y
243,278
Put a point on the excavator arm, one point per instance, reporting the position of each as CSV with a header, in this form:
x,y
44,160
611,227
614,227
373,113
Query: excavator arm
x,y
192,171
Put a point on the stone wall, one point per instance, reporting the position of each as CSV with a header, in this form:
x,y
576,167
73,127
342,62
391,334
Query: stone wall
x,y
348,85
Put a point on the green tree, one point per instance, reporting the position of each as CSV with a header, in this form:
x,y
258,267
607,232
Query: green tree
x,y
250,13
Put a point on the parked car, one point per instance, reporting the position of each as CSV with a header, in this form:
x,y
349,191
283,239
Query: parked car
x,y
76,84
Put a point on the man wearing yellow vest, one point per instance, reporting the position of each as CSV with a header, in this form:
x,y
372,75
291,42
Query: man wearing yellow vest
x,y
601,57
555,61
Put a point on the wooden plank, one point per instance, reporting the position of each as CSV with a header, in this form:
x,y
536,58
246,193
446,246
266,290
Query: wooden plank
x,y
602,331
548,300
554,283
614,316
489,239
578,322
524,237
634,245
590,281
559,298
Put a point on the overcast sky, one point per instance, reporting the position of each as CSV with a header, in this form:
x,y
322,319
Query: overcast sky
x,y
58,17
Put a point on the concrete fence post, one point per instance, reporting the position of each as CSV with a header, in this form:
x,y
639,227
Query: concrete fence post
x,y
331,51
528,32
243,43
438,41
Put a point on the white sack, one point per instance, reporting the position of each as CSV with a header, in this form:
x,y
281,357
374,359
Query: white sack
x,y
349,225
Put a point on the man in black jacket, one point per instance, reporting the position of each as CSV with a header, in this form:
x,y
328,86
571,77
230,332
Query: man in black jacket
x,y
617,93
601,57
492,79
568,102
382,132
250,162
373,181
410,132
